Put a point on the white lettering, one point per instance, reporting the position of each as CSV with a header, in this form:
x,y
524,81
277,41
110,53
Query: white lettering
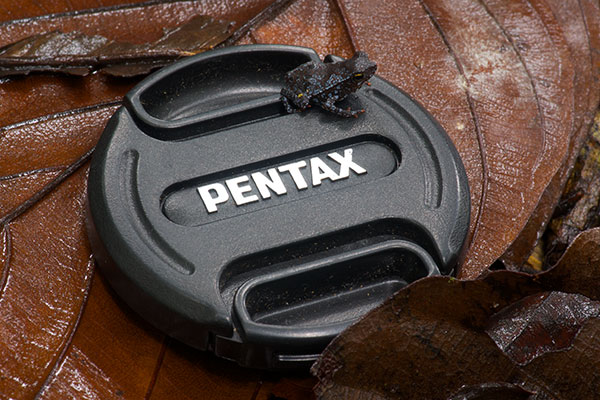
x,y
273,183
211,202
270,181
237,190
346,164
294,170
321,171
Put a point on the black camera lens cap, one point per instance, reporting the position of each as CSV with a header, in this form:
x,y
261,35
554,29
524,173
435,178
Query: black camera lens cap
x,y
236,227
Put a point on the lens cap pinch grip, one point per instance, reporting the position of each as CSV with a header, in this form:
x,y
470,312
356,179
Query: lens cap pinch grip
x,y
238,228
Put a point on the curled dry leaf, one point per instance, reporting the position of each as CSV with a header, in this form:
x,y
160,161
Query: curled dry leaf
x,y
430,338
76,53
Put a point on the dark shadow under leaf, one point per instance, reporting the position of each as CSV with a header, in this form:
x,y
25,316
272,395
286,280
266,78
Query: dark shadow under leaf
x,y
439,334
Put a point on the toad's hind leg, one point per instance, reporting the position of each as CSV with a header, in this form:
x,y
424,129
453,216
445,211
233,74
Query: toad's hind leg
x,y
331,107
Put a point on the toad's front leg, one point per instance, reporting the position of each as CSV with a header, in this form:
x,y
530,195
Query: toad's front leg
x,y
330,106
286,95
287,105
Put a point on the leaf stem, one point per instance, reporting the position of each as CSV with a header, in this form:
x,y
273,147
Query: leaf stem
x,y
267,13
24,206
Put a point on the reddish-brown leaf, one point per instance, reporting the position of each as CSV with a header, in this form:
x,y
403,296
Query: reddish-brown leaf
x,y
509,116
107,352
18,9
111,355
591,14
16,189
430,338
25,147
501,85
44,287
546,57
412,54
191,374
75,53
289,388
578,23
309,23
47,267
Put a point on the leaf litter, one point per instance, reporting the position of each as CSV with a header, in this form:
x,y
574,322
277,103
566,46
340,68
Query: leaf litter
x,y
538,332
484,379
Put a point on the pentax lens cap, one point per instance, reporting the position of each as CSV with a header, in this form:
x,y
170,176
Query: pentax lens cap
x,y
238,228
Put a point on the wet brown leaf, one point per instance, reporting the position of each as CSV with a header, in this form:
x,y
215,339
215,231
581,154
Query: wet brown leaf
x,y
106,352
492,391
430,338
47,267
15,9
79,54
540,323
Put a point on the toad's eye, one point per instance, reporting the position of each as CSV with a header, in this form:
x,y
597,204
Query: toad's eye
x,y
357,77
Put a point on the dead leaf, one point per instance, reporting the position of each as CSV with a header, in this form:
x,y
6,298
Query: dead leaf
x,y
430,338
79,54
13,10
492,391
310,23
107,351
578,22
540,323
581,197
44,287
45,280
